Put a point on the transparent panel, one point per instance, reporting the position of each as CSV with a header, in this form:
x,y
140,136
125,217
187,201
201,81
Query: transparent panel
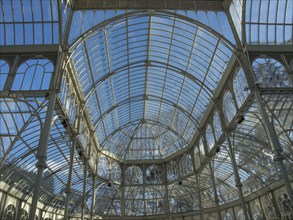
x,y
217,125
229,107
270,73
240,87
197,157
218,21
34,74
269,22
25,22
235,10
4,70
210,137
154,175
186,165
172,171
103,167
107,200
147,80
133,175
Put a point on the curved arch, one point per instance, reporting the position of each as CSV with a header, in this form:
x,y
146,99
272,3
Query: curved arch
x,y
9,212
143,64
108,60
155,203
270,72
106,182
149,121
24,214
134,99
219,179
33,74
50,198
4,71
25,59
275,118
154,174
203,186
27,153
285,204
133,175
182,202
34,114
141,13
106,188
178,62
258,149
5,61
132,136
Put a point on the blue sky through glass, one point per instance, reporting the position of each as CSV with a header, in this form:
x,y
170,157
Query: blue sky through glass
x,y
148,79
158,68
24,22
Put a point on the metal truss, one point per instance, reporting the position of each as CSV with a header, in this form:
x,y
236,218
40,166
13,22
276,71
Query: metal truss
x,y
69,132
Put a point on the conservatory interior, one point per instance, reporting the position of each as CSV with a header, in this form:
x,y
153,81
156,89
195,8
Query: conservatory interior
x,y
146,109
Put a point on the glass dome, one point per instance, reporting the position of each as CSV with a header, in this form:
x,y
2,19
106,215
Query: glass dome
x,y
148,72
163,109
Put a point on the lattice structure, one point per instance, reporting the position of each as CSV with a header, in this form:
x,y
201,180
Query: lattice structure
x,y
166,109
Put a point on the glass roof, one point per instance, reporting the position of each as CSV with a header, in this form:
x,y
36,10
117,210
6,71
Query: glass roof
x,y
24,22
142,70
85,20
167,99
263,18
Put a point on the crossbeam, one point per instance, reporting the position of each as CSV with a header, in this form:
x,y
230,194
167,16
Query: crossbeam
x,y
214,5
29,49
269,49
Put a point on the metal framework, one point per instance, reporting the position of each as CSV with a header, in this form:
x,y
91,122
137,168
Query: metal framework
x,y
146,109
